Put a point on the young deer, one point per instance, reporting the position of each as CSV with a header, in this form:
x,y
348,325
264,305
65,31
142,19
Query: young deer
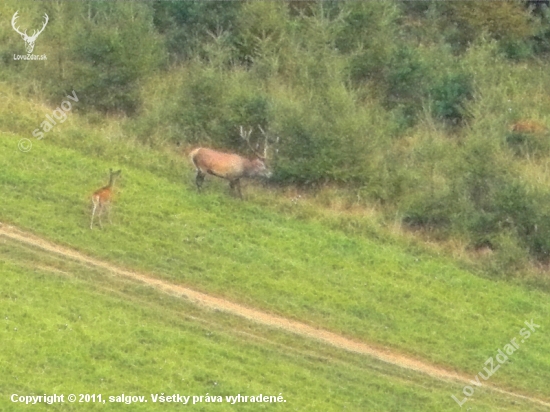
x,y
101,199
229,166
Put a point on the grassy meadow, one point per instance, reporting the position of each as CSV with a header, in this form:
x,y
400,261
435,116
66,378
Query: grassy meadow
x,y
374,290
73,329
409,206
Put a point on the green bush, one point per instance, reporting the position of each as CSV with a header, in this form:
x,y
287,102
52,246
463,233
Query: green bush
x,y
503,21
517,49
187,25
360,93
113,49
539,241
367,34
261,30
406,79
528,144
212,105
429,212
449,96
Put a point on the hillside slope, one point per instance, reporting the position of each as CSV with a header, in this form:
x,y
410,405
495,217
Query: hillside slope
x,y
375,291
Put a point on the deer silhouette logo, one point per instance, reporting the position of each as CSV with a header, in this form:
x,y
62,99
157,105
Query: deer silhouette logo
x,y
29,40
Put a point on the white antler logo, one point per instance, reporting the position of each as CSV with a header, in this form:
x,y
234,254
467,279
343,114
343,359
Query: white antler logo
x,y
29,40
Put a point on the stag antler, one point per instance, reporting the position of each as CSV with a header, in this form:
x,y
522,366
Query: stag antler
x,y
266,141
246,137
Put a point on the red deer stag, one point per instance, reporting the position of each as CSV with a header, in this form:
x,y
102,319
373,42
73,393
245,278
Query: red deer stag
x,y
228,165
101,199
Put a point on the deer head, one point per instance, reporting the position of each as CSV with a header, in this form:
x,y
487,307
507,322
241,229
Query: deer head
x,y
29,40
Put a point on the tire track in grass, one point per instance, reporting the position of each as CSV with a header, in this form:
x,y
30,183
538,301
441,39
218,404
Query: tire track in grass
x,y
215,303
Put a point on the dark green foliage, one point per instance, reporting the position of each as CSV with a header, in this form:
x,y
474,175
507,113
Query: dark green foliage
x,y
415,8
296,154
114,48
463,22
186,25
485,202
428,212
478,173
367,33
526,215
516,209
449,96
260,33
250,110
212,107
540,40
405,74
517,49
202,109
539,238
525,144
352,88
406,78
404,116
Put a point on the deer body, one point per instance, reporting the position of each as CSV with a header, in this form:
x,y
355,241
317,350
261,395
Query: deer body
x,y
227,166
101,198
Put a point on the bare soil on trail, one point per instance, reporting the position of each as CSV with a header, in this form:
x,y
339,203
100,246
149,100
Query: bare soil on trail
x,y
298,328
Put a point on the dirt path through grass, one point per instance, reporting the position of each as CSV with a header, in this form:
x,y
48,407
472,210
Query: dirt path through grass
x,y
257,316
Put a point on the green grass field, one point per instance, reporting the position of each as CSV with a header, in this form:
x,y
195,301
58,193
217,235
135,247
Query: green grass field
x,y
289,264
402,243
72,329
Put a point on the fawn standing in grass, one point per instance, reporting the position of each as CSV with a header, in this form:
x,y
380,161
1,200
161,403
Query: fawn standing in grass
x,y
102,198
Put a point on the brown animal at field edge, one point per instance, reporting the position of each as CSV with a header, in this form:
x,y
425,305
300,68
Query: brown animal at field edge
x,y
229,166
102,198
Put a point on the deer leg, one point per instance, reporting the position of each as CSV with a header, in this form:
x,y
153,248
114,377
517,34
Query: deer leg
x,y
239,189
108,208
235,185
93,213
99,213
199,179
